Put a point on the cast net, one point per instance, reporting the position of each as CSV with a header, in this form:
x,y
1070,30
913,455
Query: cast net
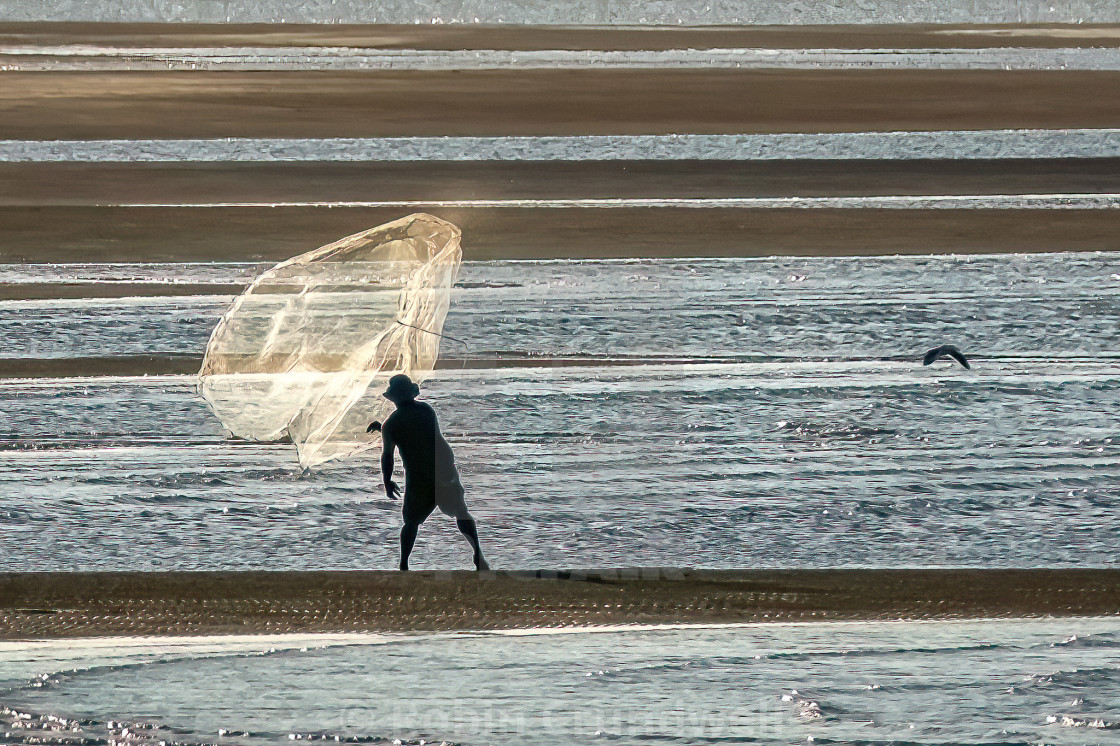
x,y
306,350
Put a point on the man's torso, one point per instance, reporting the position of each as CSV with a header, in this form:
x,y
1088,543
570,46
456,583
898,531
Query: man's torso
x,y
426,456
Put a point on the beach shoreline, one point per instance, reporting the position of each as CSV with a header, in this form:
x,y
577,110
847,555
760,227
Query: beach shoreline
x,y
95,604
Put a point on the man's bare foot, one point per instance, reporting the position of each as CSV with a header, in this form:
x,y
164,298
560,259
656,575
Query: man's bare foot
x,y
404,567
480,564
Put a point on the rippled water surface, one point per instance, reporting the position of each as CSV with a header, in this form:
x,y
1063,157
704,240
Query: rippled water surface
x,y
956,144
1054,681
732,413
34,58
605,12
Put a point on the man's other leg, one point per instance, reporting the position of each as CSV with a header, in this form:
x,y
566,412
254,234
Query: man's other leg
x,y
468,529
408,539
450,499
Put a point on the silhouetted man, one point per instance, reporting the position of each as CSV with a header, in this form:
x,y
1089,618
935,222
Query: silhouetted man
x,y
430,476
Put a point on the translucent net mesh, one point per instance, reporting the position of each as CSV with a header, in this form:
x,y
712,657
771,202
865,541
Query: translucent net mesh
x,y
307,349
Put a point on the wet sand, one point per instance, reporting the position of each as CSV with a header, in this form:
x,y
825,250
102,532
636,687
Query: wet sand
x,y
528,38
108,289
118,234
45,605
184,364
201,104
92,184
83,367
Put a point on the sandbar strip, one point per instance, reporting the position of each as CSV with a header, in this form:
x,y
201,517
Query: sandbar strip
x,y
519,37
88,604
113,289
185,364
198,104
50,184
193,234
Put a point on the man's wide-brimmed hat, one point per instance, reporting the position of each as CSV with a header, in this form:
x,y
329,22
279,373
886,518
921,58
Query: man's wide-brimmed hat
x,y
401,387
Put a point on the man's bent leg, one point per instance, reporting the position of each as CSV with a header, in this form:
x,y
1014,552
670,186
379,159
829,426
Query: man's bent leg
x,y
469,530
408,539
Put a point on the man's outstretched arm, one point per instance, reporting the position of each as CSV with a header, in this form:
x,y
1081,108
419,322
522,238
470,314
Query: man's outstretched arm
x,y
387,448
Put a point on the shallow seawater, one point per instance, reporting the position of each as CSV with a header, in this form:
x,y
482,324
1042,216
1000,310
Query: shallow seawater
x,y
903,145
72,58
990,682
723,413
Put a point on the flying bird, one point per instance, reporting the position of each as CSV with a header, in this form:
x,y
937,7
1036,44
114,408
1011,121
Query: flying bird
x,y
950,350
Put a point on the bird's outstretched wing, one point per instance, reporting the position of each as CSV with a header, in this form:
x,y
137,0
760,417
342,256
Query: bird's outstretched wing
x,y
950,350
957,355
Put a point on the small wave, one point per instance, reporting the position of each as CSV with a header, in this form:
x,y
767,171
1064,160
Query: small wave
x,y
23,727
1070,721
831,431
1079,678
805,708
488,285
883,652
1099,640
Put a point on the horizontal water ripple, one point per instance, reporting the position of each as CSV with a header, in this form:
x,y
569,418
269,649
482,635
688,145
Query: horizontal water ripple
x,y
966,144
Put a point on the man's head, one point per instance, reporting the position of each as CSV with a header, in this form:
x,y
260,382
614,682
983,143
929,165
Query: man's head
x,y
401,390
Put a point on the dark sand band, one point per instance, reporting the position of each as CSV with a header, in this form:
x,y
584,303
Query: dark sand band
x,y
46,605
196,104
68,184
456,36
173,364
116,234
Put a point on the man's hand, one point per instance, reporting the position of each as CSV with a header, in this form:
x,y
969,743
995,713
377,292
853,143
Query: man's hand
x,y
374,427
392,490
